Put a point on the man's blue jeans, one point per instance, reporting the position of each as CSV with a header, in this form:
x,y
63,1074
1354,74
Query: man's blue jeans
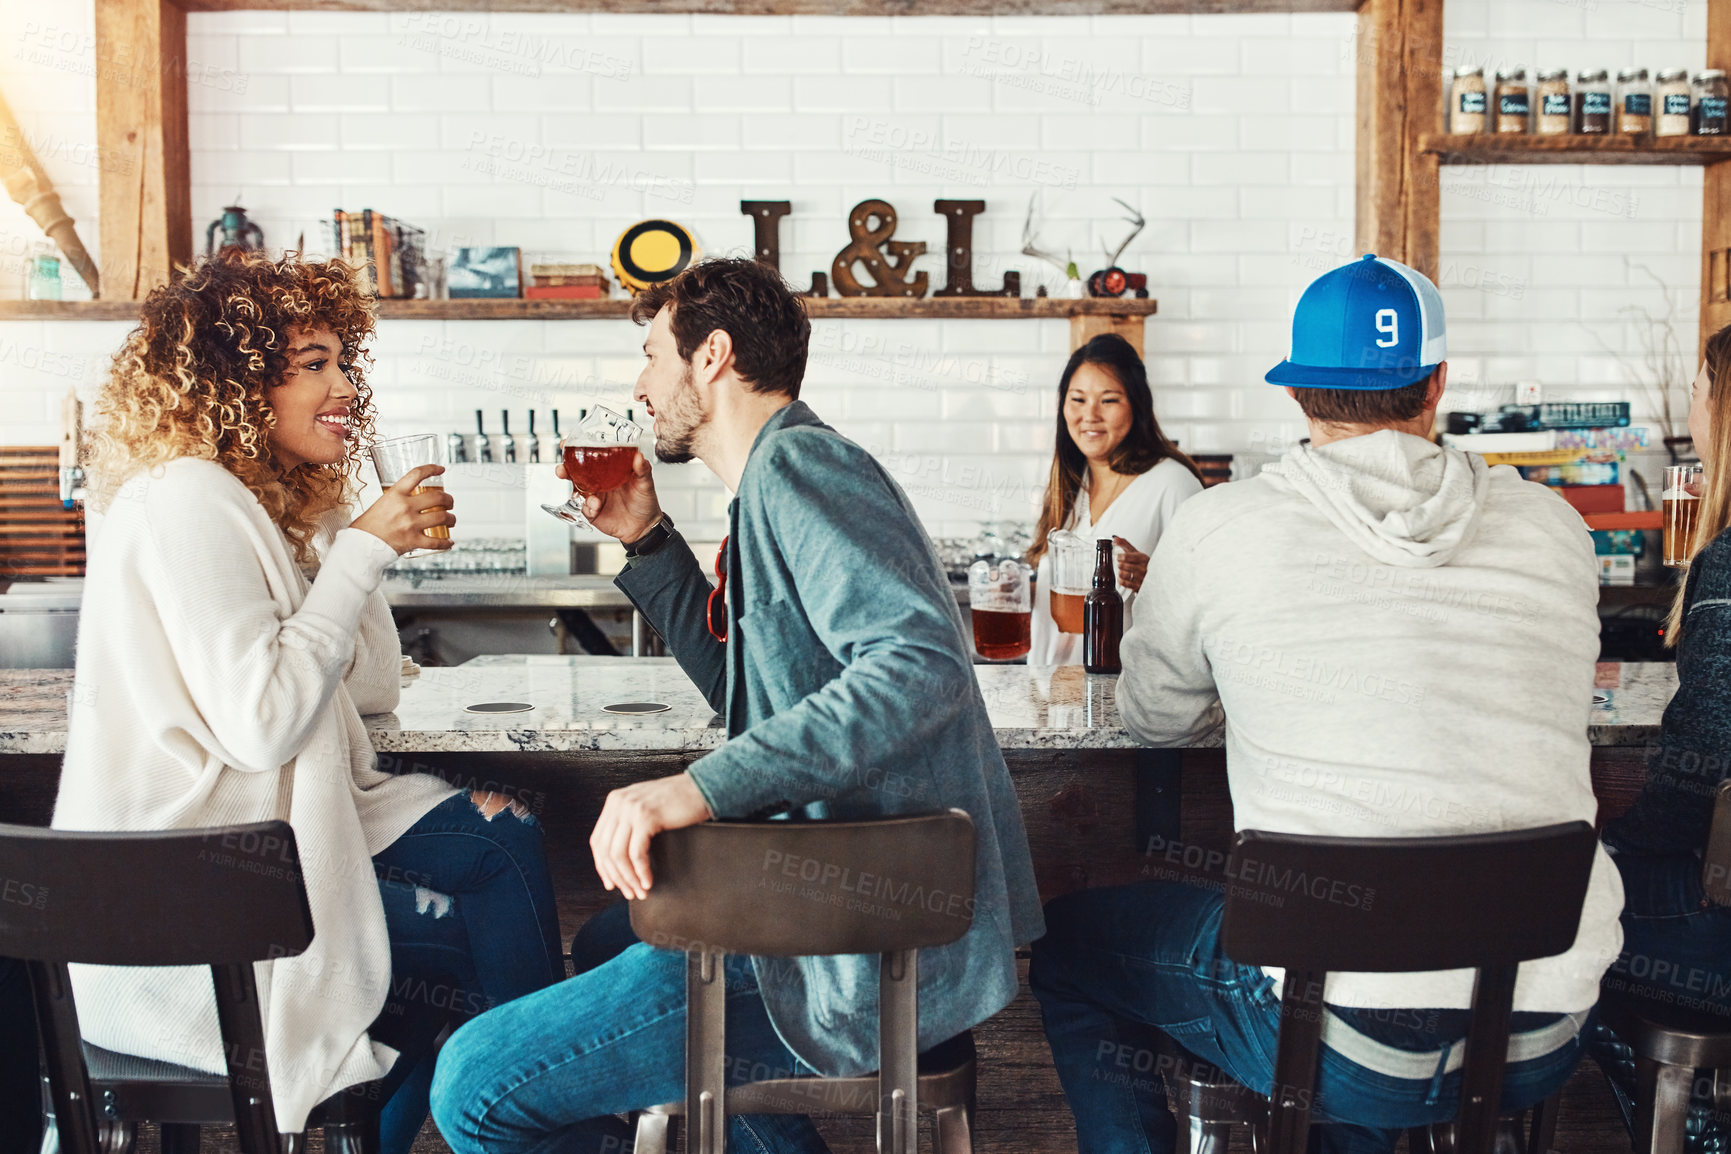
x,y
1119,961
470,913
549,1072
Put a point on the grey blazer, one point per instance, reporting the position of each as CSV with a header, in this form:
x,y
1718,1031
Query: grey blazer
x,y
849,692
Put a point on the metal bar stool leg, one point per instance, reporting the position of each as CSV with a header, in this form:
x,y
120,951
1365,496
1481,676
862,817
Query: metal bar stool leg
x,y
652,1132
180,1138
1661,1106
1542,1130
898,1053
954,1135
705,1052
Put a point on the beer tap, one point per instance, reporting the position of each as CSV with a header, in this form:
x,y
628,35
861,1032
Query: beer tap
x,y
507,443
534,441
483,446
456,448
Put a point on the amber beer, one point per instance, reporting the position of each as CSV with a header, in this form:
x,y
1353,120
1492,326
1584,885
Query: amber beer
x,y
594,469
1000,635
1681,502
1067,611
433,485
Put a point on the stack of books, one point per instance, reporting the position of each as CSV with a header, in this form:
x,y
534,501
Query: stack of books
x,y
1578,449
568,282
390,253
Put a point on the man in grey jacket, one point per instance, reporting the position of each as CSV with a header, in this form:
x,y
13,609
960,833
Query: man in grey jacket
x,y
1400,640
836,653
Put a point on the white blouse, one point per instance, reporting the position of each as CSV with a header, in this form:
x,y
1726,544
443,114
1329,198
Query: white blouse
x,y
1139,515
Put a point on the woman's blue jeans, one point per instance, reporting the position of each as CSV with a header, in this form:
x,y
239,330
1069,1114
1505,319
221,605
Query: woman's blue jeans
x,y
1118,963
551,1071
470,913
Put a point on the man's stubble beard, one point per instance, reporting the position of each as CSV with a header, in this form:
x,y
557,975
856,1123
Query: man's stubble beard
x,y
676,426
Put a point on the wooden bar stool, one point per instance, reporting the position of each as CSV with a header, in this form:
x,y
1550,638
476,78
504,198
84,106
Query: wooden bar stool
x,y
223,898
1440,904
1670,1042
743,888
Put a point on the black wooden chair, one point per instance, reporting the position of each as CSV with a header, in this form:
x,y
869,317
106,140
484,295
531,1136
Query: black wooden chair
x,y
223,898
1485,902
1672,1042
792,888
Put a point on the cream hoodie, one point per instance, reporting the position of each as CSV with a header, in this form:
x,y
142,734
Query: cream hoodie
x,y
1402,640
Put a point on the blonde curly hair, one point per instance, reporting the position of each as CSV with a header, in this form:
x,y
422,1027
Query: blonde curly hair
x,y
191,381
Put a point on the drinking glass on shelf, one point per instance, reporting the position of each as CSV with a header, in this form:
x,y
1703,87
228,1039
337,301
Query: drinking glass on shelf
x,y
398,455
1000,599
599,456
1681,501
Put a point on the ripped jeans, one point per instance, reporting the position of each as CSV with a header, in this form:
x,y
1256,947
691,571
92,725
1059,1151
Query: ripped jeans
x,y
470,913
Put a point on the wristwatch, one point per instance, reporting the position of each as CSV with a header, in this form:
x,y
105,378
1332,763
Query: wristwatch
x,y
654,539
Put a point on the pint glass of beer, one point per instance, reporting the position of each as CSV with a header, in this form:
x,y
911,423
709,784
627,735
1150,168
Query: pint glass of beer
x,y
1681,501
1000,599
397,456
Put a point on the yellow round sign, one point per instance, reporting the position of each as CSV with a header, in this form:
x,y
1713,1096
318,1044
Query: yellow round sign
x,y
652,251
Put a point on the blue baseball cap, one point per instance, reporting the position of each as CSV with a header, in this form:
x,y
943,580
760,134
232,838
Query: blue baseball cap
x,y
1372,324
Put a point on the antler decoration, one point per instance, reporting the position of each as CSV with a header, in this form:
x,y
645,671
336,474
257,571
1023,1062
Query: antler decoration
x,y
1134,218
1029,240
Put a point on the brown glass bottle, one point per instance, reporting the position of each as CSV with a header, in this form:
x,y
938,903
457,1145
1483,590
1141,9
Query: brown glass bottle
x,y
1102,615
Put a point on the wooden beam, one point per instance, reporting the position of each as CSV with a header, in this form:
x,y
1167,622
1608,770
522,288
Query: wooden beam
x,y
1716,200
141,122
1400,78
1084,328
797,7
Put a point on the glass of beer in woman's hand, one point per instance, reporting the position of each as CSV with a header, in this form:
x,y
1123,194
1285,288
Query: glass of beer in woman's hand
x,y
397,456
599,455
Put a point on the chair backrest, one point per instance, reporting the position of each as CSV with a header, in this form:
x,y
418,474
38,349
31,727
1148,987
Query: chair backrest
x,y
889,886
224,897
1716,859
1483,901
803,888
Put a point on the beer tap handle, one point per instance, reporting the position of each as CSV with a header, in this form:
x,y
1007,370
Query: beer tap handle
x,y
556,433
483,448
534,441
507,443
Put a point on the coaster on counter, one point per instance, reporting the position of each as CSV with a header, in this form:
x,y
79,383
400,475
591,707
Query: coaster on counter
x,y
499,707
636,707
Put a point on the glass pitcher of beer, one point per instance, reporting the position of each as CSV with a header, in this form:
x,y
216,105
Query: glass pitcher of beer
x,y
1072,573
599,456
1000,598
396,456
1681,501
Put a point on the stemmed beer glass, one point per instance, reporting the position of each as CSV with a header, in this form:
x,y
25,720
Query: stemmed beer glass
x,y
599,456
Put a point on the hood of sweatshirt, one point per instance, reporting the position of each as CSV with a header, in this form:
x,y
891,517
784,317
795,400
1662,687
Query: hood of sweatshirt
x,y
1400,498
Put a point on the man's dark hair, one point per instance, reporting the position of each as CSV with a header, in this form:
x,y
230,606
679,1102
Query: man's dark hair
x,y
749,302
1364,406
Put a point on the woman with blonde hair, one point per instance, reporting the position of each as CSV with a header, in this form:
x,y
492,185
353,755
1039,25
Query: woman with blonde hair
x,y
232,634
1676,942
1115,476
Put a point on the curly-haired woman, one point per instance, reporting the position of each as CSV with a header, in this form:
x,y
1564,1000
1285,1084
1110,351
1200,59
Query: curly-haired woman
x,y
233,633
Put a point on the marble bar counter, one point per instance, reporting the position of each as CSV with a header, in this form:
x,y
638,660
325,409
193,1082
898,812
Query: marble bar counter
x,y
1033,708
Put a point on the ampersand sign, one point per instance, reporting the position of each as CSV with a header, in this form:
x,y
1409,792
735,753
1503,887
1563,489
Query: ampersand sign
x,y
889,267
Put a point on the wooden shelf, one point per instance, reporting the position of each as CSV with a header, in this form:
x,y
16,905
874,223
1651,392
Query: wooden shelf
x,y
878,308
794,7
1517,148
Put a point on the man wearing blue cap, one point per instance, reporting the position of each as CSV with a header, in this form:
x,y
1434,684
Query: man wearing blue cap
x,y
1400,640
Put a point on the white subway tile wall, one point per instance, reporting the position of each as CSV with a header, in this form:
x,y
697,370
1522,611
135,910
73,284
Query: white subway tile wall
x,y
1234,136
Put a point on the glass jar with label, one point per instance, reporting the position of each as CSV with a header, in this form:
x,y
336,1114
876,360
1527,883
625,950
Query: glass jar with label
x,y
1553,102
1593,102
1710,112
1514,100
1467,100
1634,102
1671,103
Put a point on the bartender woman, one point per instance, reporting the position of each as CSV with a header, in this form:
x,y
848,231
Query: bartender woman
x,y
1114,475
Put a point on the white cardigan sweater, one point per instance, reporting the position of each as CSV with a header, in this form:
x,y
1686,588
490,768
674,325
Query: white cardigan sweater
x,y
214,685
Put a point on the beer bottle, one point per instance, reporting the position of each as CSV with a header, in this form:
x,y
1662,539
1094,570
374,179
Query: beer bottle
x,y
1102,615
